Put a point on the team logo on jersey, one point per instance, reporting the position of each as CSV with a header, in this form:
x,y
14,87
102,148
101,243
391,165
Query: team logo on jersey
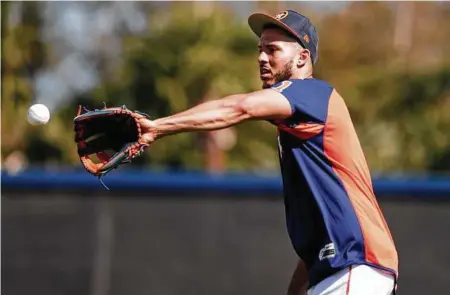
x,y
281,15
282,86
327,252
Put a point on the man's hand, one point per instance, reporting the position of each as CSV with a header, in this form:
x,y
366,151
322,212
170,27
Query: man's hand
x,y
148,131
110,137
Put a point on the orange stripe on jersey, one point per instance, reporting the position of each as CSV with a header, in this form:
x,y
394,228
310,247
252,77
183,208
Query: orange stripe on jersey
x,y
303,131
343,150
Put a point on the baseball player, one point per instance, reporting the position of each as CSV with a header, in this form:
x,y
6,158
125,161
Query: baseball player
x,y
333,219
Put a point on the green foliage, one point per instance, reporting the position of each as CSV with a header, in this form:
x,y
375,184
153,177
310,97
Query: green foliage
x,y
399,100
23,53
402,120
179,64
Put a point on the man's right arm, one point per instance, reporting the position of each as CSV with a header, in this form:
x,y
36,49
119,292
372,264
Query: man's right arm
x,y
222,113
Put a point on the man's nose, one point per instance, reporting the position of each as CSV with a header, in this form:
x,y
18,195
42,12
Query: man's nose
x,y
262,58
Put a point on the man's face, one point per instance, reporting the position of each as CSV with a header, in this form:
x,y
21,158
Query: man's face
x,y
277,56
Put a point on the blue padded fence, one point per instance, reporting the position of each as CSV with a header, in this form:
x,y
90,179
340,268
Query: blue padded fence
x,y
136,180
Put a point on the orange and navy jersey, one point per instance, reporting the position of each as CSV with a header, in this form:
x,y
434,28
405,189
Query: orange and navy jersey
x,y
332,215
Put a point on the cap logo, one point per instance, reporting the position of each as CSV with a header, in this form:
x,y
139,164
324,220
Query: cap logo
x,y
306,38
281,15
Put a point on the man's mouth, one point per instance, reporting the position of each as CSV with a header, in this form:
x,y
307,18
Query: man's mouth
x,y
264,73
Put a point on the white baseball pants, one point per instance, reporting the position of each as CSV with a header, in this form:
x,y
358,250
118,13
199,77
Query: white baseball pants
x,y
356,280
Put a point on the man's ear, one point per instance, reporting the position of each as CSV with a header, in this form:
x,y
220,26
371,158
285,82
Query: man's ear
x,y
303,57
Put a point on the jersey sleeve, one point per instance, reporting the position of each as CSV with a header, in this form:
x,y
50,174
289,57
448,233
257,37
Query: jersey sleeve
x,y
309,103
308,100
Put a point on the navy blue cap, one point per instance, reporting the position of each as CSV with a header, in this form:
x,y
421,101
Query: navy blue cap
x,y
294,23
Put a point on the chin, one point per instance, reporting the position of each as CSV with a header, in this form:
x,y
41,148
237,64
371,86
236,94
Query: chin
x,y
267,84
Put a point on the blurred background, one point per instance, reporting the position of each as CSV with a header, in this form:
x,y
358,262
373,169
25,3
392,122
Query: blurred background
x,y
202,213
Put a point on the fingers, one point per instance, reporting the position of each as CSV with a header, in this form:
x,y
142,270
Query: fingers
x,y
147,138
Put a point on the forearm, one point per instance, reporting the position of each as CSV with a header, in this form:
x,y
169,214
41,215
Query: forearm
x,y
299,281
210,115
204,106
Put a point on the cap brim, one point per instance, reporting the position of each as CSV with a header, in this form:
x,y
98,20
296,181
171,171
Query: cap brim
x,y
258,21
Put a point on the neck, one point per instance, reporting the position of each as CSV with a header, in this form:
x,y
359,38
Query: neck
x,y
302,73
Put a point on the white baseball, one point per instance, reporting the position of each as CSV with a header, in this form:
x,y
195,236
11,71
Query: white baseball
x,y
38,114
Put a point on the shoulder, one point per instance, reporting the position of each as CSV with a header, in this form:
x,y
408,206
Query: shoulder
x,y
304,89
308,98
303,85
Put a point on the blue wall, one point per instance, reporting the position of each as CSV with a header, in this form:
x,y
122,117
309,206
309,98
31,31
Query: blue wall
x,y
135,180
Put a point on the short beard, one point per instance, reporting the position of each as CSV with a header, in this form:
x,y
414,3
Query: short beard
x,y
284,74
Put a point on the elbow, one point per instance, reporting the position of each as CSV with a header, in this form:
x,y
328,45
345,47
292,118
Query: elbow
x,y
244,108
